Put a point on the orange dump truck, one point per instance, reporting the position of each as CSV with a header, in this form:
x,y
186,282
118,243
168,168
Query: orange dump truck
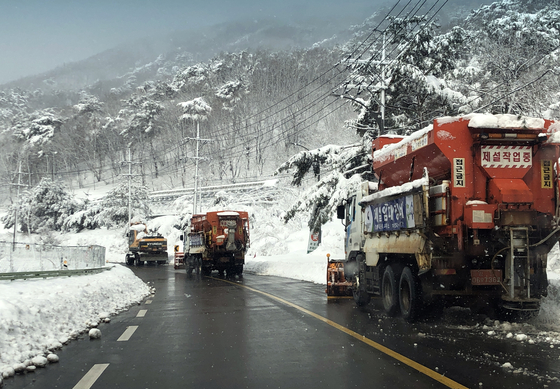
x,y
464,211
217,241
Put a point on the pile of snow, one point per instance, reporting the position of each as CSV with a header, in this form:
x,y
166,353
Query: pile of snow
x,y
38,316
289,253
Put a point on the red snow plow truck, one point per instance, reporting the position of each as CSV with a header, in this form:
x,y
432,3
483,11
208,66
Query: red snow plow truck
x,y
217,241
464,211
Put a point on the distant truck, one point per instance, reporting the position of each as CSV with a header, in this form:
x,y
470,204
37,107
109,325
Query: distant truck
x,y
145,246
465,211
217,241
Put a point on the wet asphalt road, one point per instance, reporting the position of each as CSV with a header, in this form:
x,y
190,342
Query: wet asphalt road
x,y
271,332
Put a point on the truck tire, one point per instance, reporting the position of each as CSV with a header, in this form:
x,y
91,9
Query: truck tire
x,y
390,291
410,295
189,266
206,270
359,292
239,270
129,260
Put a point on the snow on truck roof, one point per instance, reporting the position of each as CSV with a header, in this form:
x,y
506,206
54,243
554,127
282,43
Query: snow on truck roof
x,y
396,190
476,120
487,120
228,214
138,227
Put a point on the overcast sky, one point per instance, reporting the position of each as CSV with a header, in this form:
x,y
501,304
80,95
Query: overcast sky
x,y
38,35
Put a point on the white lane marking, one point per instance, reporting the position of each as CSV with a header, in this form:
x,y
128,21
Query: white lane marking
x,y
127,333
91,376
142,313
148,301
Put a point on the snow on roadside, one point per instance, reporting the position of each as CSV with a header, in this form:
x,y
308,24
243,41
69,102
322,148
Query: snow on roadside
x,y
291,259
40,315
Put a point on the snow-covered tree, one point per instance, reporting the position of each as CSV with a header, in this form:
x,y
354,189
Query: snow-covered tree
x,y
348,167
513,57
112,210
45,207
140,117
230,93
36,131
85,218
413,76
196,110
114,206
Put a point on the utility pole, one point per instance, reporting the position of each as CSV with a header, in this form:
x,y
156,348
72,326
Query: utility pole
x,y
197,158
196,167
382,108
196,110
53,165
130,175
18,185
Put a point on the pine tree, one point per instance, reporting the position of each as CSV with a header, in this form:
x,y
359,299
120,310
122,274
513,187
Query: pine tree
x,y
114,206
45,207
414,77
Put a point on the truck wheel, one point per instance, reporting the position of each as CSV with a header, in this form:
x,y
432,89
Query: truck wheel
x,y
361,296
409,295
239,270
129,260
390,291
206,271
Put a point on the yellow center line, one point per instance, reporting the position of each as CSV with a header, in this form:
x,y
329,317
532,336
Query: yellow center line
x,y
401,358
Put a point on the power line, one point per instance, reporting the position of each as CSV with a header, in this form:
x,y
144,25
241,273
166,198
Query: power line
x,y
307,107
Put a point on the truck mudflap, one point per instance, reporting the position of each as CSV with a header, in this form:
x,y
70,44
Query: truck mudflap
x,y
337,286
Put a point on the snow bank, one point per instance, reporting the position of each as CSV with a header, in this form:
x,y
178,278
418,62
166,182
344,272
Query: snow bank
x,y
294,262
38,316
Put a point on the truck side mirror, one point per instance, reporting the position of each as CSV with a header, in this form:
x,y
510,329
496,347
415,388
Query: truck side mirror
x,y
340,212
181,237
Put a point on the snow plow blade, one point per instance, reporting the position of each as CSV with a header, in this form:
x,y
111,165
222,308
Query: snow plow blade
x,y
337,286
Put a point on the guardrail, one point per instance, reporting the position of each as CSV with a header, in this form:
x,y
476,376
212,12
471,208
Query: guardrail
x,y
49,273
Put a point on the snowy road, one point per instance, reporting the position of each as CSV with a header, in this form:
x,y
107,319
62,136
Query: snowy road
x,y
276,332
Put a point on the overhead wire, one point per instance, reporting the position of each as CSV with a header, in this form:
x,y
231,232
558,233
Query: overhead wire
x,y
529,65
316,78
286,97
305,108
313,103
